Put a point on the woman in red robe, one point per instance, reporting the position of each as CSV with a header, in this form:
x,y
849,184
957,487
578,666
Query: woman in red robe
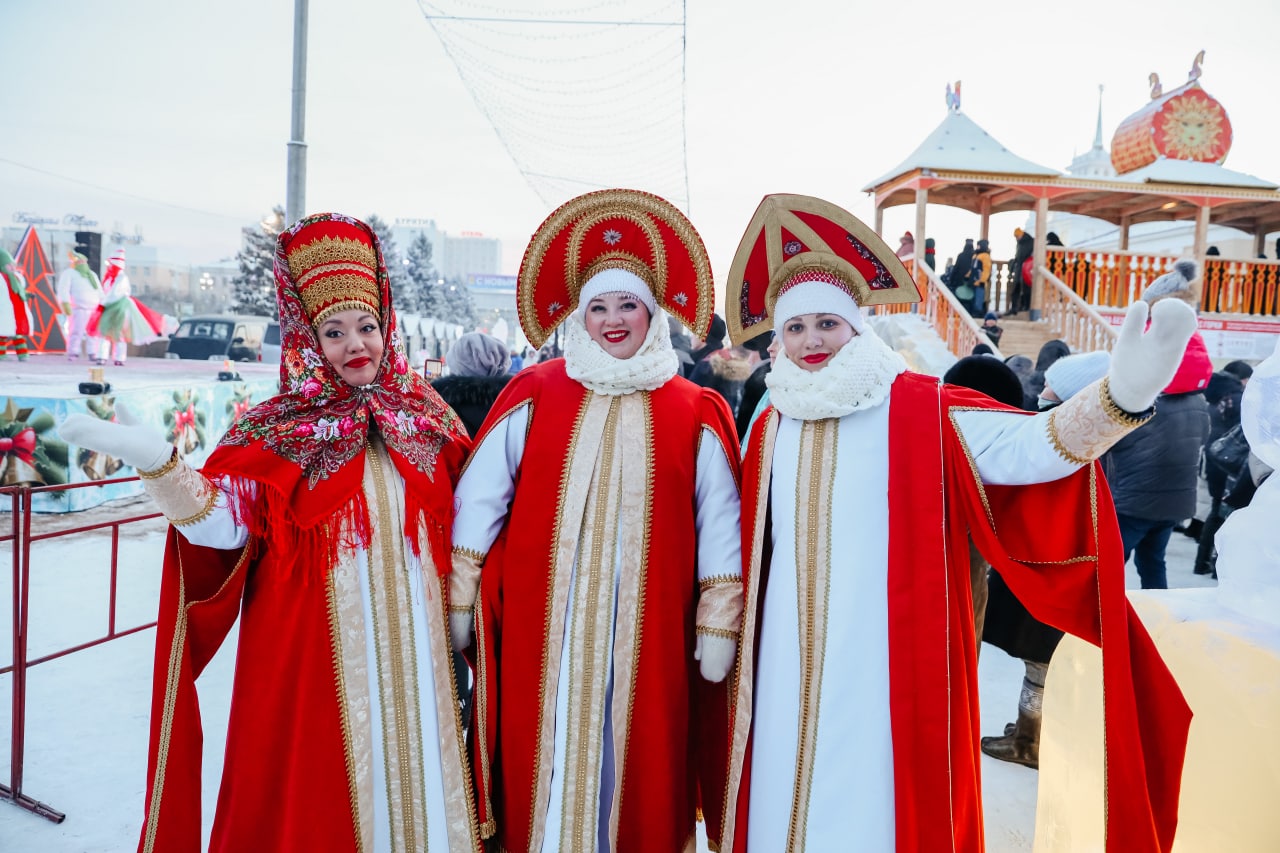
x,y
322,521
599,519
856,715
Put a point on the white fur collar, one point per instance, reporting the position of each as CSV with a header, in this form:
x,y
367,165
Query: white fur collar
x,y
857,377
649,369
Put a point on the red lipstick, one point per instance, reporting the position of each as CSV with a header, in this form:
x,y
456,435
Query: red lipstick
x,y
615,337
815,358
357,363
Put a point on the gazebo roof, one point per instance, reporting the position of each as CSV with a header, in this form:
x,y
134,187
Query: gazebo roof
x,y
959,144
1194,172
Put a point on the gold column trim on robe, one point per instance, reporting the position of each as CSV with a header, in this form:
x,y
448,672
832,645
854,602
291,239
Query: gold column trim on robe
x,y
590,631
743,683
635,433
814,486
578,474
351,675
396,661
177,650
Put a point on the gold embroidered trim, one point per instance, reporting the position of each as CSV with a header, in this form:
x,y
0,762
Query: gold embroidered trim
x,y
211,498
1118,414
818,441
490,826
1056,440
327,295
168,466
619,261
742,686
535,826
166,716
327,269
717,632
330,250
968,454
348,754
461,608
427,568
716,580
645,526
588,210
484,436
472,553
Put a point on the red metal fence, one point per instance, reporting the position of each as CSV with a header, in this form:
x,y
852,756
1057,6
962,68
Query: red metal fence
x,y
20,539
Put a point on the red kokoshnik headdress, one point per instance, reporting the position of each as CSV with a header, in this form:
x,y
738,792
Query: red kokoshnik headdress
x,y
614,229
796,238
314,433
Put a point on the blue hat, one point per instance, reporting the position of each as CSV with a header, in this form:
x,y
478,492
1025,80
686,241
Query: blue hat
x,y
1071,374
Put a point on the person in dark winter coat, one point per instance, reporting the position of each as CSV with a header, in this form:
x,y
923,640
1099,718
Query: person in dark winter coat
x,y
931,253
981,278
1223,396
714,340
754,388
991,328
724,371
1154,471
1007,624
1023,368
1019,288
479,368
1049,353
962,268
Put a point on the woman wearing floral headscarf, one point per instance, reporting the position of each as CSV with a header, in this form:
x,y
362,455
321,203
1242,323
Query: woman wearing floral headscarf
x,y
322,519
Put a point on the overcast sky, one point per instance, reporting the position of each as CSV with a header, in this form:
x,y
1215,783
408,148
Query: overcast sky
x,y
186,106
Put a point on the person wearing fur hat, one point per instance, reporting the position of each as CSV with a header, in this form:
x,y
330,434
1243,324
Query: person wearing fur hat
x,y
79,292
597,534
854,716
320,520
1154,475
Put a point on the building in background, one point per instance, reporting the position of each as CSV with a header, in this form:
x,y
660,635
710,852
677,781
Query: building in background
x,y
467,254
495,299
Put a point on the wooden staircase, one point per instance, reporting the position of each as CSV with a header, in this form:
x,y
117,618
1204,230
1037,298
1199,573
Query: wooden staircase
x,y
1022,336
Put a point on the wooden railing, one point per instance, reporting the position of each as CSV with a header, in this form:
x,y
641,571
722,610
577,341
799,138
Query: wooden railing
x,y
1116,279
1072,319
940,308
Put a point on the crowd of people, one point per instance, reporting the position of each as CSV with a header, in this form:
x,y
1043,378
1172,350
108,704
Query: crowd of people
x,y
706,563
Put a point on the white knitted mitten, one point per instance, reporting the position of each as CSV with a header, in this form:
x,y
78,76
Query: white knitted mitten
x,y
716,655
131,442
1142,365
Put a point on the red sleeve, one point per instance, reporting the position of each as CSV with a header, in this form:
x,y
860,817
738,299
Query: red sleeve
x,y
1070,574
200,595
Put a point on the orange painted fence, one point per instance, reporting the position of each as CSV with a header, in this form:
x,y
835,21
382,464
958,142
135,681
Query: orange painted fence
x,y
940,308
1116,279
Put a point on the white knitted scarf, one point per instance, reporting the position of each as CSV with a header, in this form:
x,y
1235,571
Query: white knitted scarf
x,y
649,369
857,377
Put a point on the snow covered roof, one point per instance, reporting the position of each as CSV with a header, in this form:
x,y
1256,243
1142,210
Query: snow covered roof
x,y
959,144
1169,171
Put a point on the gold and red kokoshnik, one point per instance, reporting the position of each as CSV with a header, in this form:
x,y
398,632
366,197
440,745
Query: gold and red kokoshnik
x,y
795,238
335,268
614,229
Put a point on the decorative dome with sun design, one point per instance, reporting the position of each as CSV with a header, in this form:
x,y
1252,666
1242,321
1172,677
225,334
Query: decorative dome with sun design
x,y
1185,124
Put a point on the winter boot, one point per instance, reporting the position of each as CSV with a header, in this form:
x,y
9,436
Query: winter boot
x,y
1021,741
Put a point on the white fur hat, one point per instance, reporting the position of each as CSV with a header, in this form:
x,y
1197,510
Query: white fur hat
x,y
615,280
814,296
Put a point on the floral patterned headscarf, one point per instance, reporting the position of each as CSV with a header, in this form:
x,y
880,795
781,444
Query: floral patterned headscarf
x,y
320,424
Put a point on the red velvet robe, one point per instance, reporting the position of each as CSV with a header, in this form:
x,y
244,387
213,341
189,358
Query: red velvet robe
x,y
669,754
1058,547
285,779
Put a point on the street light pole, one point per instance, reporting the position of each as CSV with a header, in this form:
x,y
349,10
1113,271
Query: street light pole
x,y
296,190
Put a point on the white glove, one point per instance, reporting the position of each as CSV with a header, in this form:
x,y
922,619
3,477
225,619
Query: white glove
x,y
1143,365
460,626
716,655
131,442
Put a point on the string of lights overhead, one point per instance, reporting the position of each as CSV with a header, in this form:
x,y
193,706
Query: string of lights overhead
x,y
582,97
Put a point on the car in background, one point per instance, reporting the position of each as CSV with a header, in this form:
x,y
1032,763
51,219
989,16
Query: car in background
x,y
271,344
227,337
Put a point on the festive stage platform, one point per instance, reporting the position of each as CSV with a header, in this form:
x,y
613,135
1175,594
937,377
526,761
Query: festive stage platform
x,y
183,399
